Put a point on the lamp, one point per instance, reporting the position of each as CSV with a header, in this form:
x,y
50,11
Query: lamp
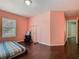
x,y
28,2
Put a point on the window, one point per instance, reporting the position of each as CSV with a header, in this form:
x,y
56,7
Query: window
x,y
8,27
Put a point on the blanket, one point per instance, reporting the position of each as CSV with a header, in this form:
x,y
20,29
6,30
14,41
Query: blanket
x,y
10,49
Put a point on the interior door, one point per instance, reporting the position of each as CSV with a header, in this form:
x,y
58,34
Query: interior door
x,y
34,33
72,30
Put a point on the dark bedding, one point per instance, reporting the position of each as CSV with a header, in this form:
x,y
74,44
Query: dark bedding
x,y
10,49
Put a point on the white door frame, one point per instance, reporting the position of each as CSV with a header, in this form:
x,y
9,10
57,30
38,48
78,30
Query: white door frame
x,y
76,20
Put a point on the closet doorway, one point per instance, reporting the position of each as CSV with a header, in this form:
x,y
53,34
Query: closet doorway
x,y
72,31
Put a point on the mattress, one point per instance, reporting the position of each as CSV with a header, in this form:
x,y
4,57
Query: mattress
x,y
10,49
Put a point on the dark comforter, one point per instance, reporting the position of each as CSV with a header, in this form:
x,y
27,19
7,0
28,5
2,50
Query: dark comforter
x,y
10,49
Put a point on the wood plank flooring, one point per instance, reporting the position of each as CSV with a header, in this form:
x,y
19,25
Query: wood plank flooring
x,y
39,51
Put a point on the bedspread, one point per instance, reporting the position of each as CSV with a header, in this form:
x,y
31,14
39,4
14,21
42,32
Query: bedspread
x,y
10,49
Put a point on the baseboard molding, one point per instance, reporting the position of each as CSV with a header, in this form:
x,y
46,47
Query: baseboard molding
x,y
44,43
21,41
57,44
51,44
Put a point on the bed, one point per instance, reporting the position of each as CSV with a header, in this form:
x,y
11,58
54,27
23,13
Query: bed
x,y
10,49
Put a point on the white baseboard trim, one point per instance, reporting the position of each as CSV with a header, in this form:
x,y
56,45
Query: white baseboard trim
x,y
57,44
44,43
51,44
20,41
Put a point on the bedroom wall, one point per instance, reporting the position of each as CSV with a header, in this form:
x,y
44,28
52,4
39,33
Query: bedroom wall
x,y
57,28
21,25
48,28
40,27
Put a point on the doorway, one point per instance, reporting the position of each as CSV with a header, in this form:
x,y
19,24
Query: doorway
x,y
72,29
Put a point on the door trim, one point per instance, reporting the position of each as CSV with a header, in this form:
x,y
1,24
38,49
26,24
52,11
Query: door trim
x,y
76,20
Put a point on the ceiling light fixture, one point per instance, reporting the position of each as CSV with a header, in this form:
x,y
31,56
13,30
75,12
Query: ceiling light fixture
x,y
28,2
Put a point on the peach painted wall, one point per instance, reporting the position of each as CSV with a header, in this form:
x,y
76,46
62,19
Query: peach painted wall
x,y
21,25
40,27
57,28
48,28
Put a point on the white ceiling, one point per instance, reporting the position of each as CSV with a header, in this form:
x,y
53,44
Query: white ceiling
x,y
38,6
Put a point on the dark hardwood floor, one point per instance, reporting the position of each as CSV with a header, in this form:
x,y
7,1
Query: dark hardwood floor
x,y
39,51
